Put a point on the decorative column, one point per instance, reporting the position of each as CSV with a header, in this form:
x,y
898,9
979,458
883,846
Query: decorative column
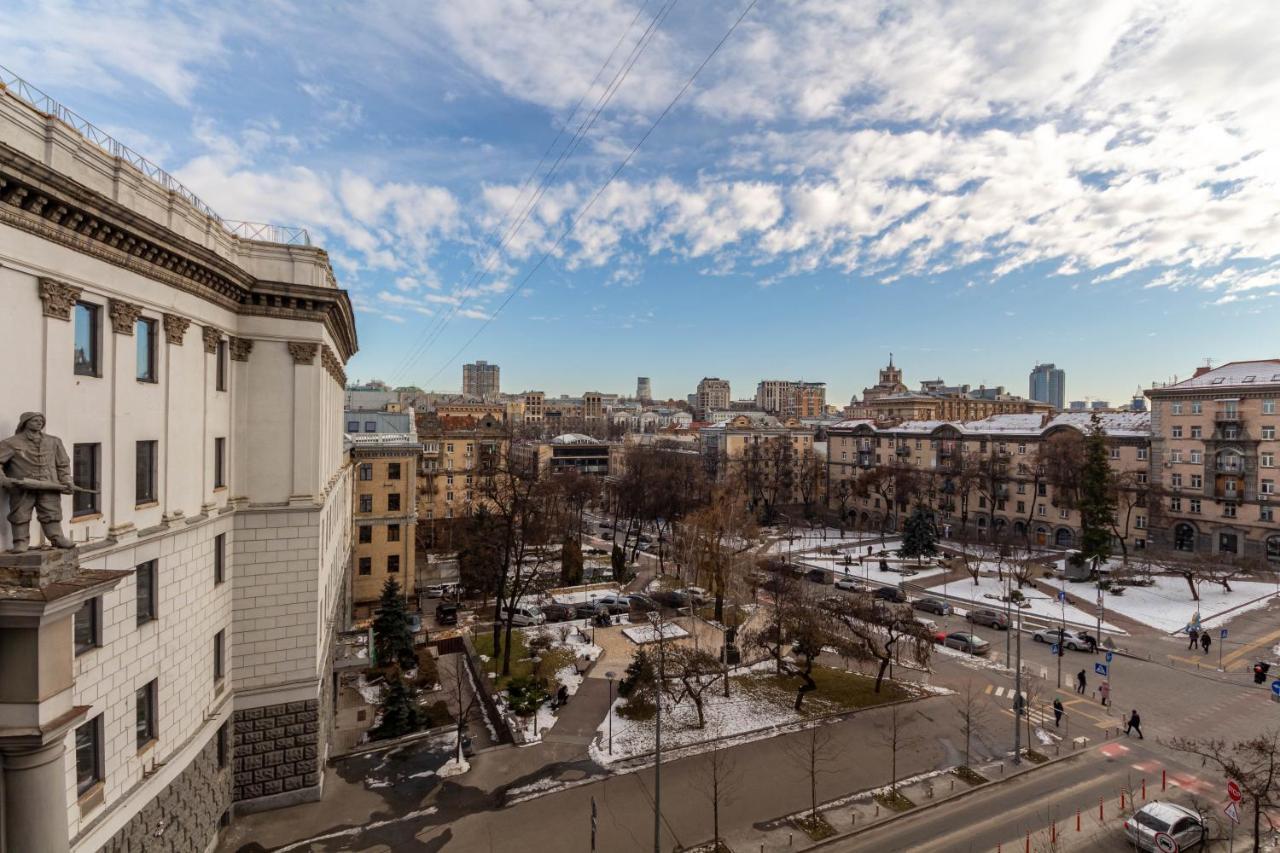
x,y
306,389
35,793
124,316
175,328
57,298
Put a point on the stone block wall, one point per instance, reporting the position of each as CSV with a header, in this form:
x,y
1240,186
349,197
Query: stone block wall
x,y
186,815
276,749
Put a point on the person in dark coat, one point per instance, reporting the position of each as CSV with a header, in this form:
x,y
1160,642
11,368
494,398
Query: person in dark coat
x,y
1080,682
1194,635
1205,641
1057,712
1135,724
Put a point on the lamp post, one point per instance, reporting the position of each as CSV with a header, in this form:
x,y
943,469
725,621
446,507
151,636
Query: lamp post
x,y
610,675
537,661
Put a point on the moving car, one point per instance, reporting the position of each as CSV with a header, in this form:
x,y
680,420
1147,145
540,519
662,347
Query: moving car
x,y
850,585
933,605
696,594
990,618
891,593
1076,641
817,576
1158,818
440,590
557,612
966,642
446,614
587,609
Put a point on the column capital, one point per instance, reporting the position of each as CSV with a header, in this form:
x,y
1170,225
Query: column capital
x,y
240,348
211,338
175,328
303,352
124,316
58,297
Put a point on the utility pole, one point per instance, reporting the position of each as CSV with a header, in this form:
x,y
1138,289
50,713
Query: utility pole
x,y
1062,635
657,755
1017,694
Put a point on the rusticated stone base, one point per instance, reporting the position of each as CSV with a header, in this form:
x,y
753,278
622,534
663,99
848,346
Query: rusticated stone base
x,y
186,815
276,749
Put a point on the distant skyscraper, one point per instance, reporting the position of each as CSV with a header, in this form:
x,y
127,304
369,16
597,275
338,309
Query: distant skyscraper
x,y
1049,385
644,391
480,379
1079,406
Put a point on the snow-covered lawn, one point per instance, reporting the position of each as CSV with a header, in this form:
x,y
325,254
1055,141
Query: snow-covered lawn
x,y
1168,605
642,634
988,591
584,595
870,570
819,538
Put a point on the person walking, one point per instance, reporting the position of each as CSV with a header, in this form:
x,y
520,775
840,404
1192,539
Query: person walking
x,y
1057,712
1080,682
1193,635
1205,641
1135,724
1105,692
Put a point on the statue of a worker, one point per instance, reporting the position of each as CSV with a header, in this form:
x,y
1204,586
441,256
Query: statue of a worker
x,y
35,469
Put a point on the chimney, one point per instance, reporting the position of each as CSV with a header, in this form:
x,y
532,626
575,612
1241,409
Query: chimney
x,y
1201,371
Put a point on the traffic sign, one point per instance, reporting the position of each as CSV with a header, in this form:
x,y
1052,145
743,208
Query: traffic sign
x,y
1222,635
1053,650
1233,812
1101,669
1233,790
1165,843
1108,657
1275,687
1062,595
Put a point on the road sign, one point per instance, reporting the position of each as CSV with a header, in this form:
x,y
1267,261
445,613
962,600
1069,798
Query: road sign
x,y
1233,812
1275,687
1100,669
1062,595
1053,650
1108,657
1233,790
1222,635
1165,843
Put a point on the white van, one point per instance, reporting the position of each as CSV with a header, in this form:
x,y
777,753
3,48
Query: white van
x,y
526,614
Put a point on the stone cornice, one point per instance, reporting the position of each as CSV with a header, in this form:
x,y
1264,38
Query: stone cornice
x,y
54,207
58,298
124,316
211,338
240,349
334,366
303,352
175,328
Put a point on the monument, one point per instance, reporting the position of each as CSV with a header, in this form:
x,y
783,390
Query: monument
x,y
36,471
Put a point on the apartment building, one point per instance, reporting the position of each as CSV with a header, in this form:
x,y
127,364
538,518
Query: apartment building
x,y
174,667
480,380
386,459
571,452
791,398
1214,452
535,406
1008,471
459,454
712,395
1048,384
890,401
743,440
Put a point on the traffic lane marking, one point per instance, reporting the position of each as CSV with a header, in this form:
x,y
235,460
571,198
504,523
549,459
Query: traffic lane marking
x,y
1081,704
1265,639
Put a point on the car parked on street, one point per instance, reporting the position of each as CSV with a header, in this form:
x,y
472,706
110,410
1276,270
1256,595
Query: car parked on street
x,y
1184,827
557,612
587,610
615,604
850,585
446,614
696,594
523,615
988,617
966,642
642,603
932,605
891,593
1076,641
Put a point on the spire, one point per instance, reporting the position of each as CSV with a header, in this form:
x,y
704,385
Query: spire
x,y
891,359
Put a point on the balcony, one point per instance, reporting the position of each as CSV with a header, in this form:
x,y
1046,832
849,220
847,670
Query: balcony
x,y
1227,416
1230,494
1236,468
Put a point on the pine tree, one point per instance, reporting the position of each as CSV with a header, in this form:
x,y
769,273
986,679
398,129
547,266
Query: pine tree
x,y
1097,503
400,712
392,638
570,562
619,562
919,536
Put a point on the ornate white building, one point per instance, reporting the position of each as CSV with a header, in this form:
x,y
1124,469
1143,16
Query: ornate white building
x,y
180,671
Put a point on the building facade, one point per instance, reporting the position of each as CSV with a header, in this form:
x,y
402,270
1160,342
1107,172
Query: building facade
x,y
480,379
1214,454
571,452
713,395
644,390
459,454
384,510
196,379
889,401
745,441
1048,384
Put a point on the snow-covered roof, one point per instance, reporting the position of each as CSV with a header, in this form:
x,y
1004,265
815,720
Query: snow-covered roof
x,y
1119,424
573,438
1024,423
1236,373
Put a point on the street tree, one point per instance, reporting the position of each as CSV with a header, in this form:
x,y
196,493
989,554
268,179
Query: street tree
x,y
618,563
1097,499
462,699
392,634
718,783
973,711
479,553
690,673
570,561
878,631
897,737
810,480
919,536
810,749
843,492
1254,764
716,541
639,682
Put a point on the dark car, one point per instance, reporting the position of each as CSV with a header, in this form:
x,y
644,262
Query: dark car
x,y
891,593
557,612
990,618
933,605
446,614
587,609
817,576
615,604
966,642
642,603
672,598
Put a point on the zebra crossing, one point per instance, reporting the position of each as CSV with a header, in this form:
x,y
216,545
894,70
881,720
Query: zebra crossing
x,y
1039,716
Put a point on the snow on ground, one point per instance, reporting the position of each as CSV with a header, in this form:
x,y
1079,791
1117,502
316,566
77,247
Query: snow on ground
x,y
453,767
568,676
871,569
971,661
1168,605
988,591
642,634
371,693
829,538
546,719
582,596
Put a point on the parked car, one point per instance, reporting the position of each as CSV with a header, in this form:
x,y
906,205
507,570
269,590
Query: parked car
x,y
446,614
988,617
442,590
642,603
929,624
615,604
817,576
891,593
696,594
557,612
850,585
1081,641
672,598
932,605
966,642
526,614
587,610
1184,826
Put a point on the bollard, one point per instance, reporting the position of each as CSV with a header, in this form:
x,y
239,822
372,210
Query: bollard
x,y
1028,847
1144,790
853,818
1057,749
953,784
1122,801
1053,834
1077,820
877,810
1001,768
1100,808
1164,782
789,839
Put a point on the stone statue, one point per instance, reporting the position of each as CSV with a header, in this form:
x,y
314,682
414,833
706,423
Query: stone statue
x,y
34,467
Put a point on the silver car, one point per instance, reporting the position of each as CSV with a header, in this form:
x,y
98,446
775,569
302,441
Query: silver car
x,y
1185,827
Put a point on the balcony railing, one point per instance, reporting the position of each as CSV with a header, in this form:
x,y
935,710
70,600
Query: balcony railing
x,y
1227,416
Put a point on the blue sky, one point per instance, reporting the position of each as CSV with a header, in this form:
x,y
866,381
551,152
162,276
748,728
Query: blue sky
x,y
973,188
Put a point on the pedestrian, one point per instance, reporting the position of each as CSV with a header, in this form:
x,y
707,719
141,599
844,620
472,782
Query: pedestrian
x,y
1093,643
1194,635
1080,682
1205,641
1105,692
1057,712
1135,723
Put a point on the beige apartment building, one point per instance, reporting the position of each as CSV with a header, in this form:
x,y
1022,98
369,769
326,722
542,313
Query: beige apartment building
x,y
384,513
994,473
1214,454
727,446
712,396
889,400
459,454
535,406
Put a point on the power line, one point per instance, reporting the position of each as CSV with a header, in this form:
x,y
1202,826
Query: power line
x,y
600,190
571,146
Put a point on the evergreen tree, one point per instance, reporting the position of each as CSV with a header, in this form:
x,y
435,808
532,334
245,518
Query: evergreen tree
x,y
392,638
919,536
400,712
619,562
480,553
1097,501
571,562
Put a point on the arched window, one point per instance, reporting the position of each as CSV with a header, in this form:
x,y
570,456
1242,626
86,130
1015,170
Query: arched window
x,y
1063,538
1230,462
1184,537
1273,549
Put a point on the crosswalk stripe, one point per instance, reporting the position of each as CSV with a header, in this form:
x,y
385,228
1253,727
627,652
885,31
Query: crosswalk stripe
x,y
988,690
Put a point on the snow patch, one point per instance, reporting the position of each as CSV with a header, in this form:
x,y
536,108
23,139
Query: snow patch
x,y
648,634
1168,605
454,767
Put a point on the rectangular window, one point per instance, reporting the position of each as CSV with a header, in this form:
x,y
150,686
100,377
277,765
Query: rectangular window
x,y
366,565
353,426
145,716
1022,506
224,734
85,473
366,503
393,470
219,558
365,535
1175,455
1175,408
1196,457
1062,513
1268,487
220,367
86,626
1140,522
393,533
1115,452
1197,481
88,339
1042,489
448,496
1142,453
1175,480
1197,432
1266,513
1197,408
219,639
219,463
145,578
145,464
393,502
1142,477
448,448
145,331
370,426
1268,407
1193,505
1229,511
366,470
1022,448
1268,433
1175,504
393,563
1176,431
1022,488
1268,460
1040,510
88,754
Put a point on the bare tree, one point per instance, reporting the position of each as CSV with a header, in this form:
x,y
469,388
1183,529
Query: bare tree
x,y
1131,492
876,630
716,541
973,713
810,480
464,699
719,785
896,737
1254,763
809,748
690,673
809,629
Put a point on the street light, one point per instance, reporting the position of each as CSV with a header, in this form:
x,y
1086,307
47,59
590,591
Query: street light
x,y
610,675
537,661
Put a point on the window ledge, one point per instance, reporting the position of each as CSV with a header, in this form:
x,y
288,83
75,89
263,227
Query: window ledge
x,y
146,747
146,505
219,488
91,798
88,516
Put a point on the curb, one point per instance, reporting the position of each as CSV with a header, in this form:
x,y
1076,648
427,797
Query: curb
x,y
1239,606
